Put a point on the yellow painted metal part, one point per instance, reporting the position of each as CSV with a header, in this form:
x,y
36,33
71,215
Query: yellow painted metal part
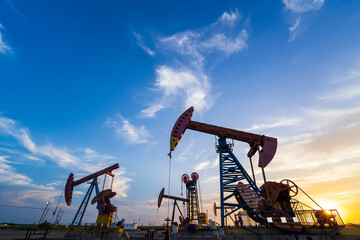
x,y
105,218
173,142
203,219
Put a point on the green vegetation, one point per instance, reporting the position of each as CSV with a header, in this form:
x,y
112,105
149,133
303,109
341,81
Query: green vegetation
x,y
24,227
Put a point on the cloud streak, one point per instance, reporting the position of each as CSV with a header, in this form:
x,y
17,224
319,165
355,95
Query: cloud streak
x,y
4,47
301,6
141,44
321,146
188,86
81,161
8,174
182,81
297,10
347,87
129,132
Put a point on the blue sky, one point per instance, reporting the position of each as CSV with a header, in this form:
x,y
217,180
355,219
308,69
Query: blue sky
x,y
86,84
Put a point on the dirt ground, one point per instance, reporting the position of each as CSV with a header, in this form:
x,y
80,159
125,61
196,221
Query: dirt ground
x,y
11,234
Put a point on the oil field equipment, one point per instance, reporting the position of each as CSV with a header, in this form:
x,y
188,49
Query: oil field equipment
x,y
194,216
273,204
184,200
192,194
105,209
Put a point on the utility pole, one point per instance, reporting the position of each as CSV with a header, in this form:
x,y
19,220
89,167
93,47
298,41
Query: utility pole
x,y
42,215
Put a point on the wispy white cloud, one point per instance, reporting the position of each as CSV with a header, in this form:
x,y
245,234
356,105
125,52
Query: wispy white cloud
x,y
280,122
223,43
15,10
27,196
186,153
293,30
211,179
207,164
121,183
301,6
4,47
141,44
322,143
297,10
343,94
151,111
126,130
183,80
81,161
230,17
9,175
193,87
34,158
8,126
347,86
202,165
185,44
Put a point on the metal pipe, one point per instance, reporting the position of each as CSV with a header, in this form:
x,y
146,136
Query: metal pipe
x,y
263,173
252,170
176,198
47,204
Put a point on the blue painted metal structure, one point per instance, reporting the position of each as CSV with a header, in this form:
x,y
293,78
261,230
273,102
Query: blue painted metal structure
x,y
193,203
231,172
81,211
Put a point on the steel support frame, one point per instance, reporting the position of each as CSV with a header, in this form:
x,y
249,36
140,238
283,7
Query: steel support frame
x,y
231,172
193,203
81,211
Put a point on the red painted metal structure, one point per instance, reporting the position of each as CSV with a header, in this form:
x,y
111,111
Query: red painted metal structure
x,y
70,184
103,198
268,144
248,196
273,204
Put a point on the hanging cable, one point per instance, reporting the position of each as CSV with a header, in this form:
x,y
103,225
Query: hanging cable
x,y
182,191
104,183
181,183
201,205
157,213
168,211
112,180
252,170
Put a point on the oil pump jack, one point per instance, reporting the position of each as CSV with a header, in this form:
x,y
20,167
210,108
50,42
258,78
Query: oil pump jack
x,y
105,208
268,205
193,214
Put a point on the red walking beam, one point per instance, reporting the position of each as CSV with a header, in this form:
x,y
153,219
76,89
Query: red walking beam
x,y
268,144
70,184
